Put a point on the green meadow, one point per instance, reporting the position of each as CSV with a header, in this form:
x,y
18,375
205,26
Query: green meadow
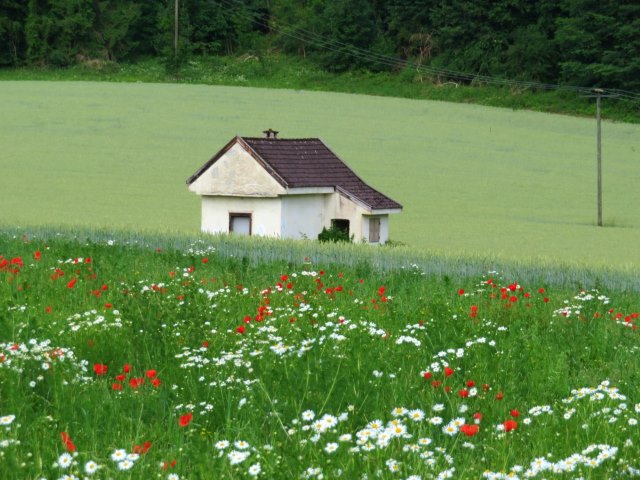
x,y
473,180
129,361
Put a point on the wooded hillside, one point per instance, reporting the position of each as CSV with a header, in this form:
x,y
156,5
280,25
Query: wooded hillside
x,y
574,42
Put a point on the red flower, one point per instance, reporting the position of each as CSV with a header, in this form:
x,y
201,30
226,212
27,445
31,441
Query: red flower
x,y
186,419
510,425
464,393
120,377
72,283
461,292
448,372
436,383
427,375
447,388
241,329
155,382
469,429
514,413
513,299
471,384
499,396
545,300
66,439
477,416
284,278
151,373
205,260
126,368
135,382
541,290
100,369
48,309
37,255
116,386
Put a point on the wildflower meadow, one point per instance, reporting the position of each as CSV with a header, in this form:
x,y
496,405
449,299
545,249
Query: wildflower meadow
x,y
125,362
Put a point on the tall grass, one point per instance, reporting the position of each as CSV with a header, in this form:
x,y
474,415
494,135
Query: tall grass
x,y
361,257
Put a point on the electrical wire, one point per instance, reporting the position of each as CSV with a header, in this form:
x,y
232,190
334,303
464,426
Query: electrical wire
x,y
336,46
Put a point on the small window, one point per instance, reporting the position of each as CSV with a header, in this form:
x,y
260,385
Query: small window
x,y
340,224
374,229
240,223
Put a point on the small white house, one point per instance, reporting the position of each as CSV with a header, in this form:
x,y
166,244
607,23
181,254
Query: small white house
x,y
287,188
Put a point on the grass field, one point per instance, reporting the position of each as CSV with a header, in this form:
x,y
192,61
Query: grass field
x,y
472,179
127,362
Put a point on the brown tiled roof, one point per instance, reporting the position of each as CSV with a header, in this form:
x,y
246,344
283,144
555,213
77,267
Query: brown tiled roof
x,y
306,162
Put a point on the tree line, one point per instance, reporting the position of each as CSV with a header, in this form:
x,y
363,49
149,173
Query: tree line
x,y
584,43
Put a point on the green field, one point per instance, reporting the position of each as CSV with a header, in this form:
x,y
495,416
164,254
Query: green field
x,y
122,362
473,180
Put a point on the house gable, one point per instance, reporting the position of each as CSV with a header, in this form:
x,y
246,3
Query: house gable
x,y
234,171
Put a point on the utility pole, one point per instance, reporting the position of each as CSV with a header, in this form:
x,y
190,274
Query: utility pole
x,y
175,31
598,92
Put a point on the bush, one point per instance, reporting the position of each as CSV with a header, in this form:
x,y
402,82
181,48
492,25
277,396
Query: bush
x,y
334,234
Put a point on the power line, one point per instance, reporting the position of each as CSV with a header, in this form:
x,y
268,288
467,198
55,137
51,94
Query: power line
x,y
319,41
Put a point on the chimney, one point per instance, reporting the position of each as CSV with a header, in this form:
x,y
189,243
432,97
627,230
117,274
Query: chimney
x,y
270,133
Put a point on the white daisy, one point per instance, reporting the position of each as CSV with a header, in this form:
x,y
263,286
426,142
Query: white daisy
x,y
91,467
119,455
125,465
65,460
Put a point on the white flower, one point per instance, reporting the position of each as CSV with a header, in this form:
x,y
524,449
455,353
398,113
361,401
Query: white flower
x,y
91,467
125,465
241,444
119,455
331,447
254,470
235,457
173,476
308,415
65,460
8,419
222,444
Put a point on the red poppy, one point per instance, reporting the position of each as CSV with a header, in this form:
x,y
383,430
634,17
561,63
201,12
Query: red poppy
x,y
471,384
477,416
469,429
513,299
436,383
514,413
150,373
464,393
241,329
205,260
126,368
37,255
66,439
116,386
135,382
499,396
427,375
186,419
48,309
155,382
448,372
461,292
100,369
72,283
510,425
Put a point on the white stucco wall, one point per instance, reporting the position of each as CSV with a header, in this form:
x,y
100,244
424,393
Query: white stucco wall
x,y
265,214
237,173
303,216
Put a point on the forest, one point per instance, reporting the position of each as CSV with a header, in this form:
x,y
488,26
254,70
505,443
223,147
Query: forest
x,y
585,43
